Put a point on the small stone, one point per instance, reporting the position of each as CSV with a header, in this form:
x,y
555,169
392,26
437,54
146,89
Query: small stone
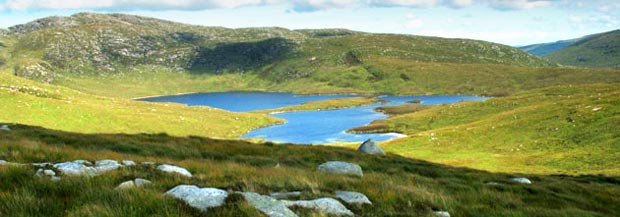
x,y
282,195
340,167
128,163
5,128
174,169
49,172
325,205
351,197
441,213
126,185
522,180
370,147
141,182
267,205
200,198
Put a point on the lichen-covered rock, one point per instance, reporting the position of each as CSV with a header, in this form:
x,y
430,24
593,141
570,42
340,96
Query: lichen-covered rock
x,y
268,205
340,167
441,213
107,165
174,169
522,180
325,205
200,198
351,197
370,147
128,163
72,168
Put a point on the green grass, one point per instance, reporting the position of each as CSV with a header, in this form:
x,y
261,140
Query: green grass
x,y
395,185
554,130
29,102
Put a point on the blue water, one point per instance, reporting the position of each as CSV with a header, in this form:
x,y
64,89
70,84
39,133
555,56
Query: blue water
x,y
308,127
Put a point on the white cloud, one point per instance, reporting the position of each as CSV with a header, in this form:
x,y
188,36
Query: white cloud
x,y
518,4
314,5
458,3
405,3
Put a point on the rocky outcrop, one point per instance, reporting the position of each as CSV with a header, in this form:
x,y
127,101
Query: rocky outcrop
x,y
268,205
351,197
340,167
174,169
200,198
370,147
325,205
521,180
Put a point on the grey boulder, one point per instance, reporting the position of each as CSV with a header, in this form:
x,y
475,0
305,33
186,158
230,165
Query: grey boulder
x,y
340,167
370,147
351,197
106,165
522,180
268,205
328,206
128,163
75,169
200,198
5,128
441,213
138,182
174,169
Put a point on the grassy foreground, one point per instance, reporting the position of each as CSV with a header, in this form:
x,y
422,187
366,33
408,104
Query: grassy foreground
x,y
396,185
558,130
28,102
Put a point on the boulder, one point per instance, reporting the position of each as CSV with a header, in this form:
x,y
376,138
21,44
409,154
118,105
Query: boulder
x,y
441,213
3,162
174,169
328,206
5,128
72,168
267,205
282,195
351,197
128,163
370,147
83,162
141,182
521,180
200,198
138,182
126,185
106,165
340,167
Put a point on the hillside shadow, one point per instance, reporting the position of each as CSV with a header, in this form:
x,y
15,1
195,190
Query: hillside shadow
x,y
240,57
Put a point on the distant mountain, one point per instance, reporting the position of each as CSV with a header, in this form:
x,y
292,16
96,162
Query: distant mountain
x,y
547,48
600,50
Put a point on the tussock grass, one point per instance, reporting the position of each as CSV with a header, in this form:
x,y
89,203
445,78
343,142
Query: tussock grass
x,y
395,185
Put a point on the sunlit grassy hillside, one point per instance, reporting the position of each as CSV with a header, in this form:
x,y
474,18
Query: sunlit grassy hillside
x,y
567,129
396,186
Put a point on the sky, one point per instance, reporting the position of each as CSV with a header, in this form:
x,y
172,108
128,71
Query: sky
x,y
511,22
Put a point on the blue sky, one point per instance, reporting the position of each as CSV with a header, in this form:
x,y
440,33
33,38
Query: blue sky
x,y
512,22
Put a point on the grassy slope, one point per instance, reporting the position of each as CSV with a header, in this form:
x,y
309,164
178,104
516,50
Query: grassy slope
x,y
600,50
395,185
29,102
551,130
324,105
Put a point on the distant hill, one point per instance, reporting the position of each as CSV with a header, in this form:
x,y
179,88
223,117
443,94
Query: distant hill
x,y
600,50
547,48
